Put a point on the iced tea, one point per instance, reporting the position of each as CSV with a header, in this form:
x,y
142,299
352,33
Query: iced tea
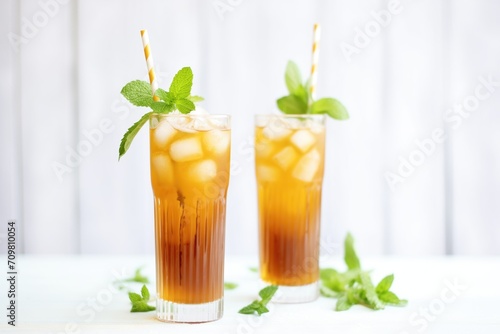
x,y
289,160
190,175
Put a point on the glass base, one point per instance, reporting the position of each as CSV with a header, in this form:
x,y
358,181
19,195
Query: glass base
x,y
189,313
287,294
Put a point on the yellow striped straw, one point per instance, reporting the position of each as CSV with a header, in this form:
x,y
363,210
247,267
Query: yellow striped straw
x,y
149,62
315,54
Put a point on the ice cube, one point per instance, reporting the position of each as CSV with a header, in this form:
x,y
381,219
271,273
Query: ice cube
x,y
153,123
216,141
267,173
263,149
201,124
286,157
293,123
163,133
188,149
315,127
202,171
163,169
308,165
181,122
303,140
276,129
220,123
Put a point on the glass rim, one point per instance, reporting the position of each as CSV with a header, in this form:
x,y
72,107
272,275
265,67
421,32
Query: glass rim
x,y
192,123
303,120
291,115
155,114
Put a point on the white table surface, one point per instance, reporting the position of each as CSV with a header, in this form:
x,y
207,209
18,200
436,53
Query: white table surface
x,y
74,294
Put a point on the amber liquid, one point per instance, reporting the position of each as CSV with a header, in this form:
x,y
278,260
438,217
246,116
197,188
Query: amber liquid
x,y
289,209
190,208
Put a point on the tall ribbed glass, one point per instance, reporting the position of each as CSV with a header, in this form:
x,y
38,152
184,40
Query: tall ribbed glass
x,y
190,175
289,164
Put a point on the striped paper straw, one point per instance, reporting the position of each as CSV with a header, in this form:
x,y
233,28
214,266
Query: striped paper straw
x,y
315,54
149,62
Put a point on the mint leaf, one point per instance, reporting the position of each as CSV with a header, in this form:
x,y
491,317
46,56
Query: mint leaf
x,y
230,286
131,133
184,105
195,98
145,293
343,303
262,309
303,94
293,79
350,257
138,93
330,106
142,307
140,303
181,85
267,293
385,284
134,297
337,281
162,107
254,307
369,291
165,96
251,308
138,277
390,298
356,295
259,306
327,292
254,269
292,104
332,279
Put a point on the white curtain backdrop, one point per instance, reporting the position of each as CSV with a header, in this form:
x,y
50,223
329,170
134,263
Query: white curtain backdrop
x,y
419,78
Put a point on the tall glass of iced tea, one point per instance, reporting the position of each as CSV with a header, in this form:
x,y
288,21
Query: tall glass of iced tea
x,y
189,175
289,162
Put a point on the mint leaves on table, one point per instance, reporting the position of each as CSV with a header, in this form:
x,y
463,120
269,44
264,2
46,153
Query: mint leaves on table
x,y
230,286
259,306
299,99
355,285
140,302
177,98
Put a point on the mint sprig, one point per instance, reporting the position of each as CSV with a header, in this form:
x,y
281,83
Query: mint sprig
x,y
300,101
260,306
140,302
355,286
178,97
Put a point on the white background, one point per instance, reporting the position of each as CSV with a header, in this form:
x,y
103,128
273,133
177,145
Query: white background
x,y
65,78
